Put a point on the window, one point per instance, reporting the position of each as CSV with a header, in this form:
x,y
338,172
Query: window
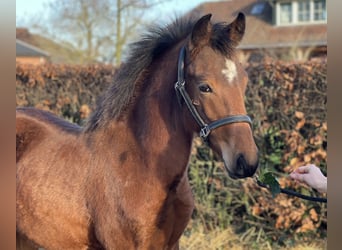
x,y
301,12
285,13
304,11
320,11
258,9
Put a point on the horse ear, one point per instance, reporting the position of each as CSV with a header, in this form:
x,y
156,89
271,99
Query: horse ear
x,y
236,29
201,32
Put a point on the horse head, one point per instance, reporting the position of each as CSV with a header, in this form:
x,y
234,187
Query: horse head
x,y
212,84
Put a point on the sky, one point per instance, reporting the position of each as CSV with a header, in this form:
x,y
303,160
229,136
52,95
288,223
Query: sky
x,y
26,10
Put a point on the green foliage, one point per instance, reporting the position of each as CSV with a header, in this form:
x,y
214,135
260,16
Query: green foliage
x,y
272,183
272,147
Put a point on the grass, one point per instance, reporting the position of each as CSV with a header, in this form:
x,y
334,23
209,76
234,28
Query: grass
x,y
218,239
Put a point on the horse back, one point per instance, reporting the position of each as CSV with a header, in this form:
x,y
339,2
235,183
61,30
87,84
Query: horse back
x,y
34,125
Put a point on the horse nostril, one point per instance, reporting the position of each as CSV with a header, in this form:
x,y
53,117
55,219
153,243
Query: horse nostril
x,y
241,163
243,168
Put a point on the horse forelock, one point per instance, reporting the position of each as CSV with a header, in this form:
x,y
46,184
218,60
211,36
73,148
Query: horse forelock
x,y
157,40
220,41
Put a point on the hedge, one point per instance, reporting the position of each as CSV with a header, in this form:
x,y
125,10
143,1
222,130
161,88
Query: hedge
x,y
288,104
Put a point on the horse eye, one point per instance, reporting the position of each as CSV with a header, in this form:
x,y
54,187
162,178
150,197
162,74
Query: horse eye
x,y
205,88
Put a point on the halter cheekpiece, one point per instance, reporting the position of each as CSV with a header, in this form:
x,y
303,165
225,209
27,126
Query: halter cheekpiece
x,y
182,93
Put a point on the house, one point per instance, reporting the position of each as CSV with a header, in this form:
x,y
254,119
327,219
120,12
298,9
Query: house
x,y
42,49
29,54
281,29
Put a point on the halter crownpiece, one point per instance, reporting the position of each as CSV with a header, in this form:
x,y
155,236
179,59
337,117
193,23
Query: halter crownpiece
x,y
182,93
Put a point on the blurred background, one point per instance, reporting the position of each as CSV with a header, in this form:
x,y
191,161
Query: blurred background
x,y
88,31
67,53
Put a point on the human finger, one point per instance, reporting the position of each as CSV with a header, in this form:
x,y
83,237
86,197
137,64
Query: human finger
x,y
303,169
297,176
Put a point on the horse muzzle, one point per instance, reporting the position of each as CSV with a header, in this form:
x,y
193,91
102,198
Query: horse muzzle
x,y
241,168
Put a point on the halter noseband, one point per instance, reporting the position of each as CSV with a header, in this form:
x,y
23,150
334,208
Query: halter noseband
x,y
181,92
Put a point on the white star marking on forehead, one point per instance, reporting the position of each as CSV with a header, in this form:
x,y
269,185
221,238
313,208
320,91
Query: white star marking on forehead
x,y
230,71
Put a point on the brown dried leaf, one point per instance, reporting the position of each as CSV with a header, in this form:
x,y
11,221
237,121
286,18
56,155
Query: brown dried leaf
x,y
299,115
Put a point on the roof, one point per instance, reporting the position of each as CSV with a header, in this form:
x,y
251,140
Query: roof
x,y
260,30
57,52
25,49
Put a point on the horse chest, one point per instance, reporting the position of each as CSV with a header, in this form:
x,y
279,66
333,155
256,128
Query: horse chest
x,y
169,221
173,214
153,221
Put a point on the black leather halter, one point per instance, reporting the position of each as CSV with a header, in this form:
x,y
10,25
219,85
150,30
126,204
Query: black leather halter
x,y
205,128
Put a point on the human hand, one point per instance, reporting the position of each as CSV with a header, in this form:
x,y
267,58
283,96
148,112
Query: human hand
x,y
312,176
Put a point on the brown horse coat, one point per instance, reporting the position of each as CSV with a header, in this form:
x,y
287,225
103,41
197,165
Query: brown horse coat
x,y
121,181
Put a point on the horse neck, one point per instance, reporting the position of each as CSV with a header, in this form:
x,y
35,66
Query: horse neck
x,y
153,130
157,120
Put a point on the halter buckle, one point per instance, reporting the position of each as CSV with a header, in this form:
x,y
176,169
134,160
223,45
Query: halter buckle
x,y
179,84
205,131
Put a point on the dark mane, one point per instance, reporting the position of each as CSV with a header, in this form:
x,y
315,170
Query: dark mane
x,y
153,44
